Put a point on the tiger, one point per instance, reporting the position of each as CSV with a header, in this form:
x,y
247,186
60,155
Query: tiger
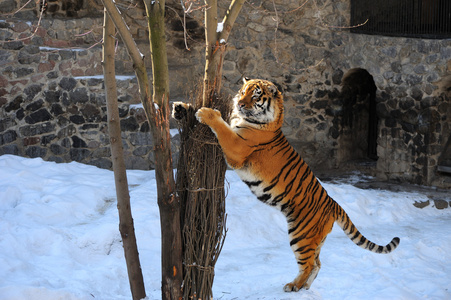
x,y
255,147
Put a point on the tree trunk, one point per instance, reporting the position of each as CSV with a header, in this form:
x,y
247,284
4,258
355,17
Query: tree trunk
x,y
202,167
168,201
126,226
216,36
157,111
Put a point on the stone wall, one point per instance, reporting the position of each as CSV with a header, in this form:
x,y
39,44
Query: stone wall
x,y
305,50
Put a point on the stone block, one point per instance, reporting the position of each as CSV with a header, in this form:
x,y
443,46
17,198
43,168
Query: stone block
x,y
77,119
52,75
67,83
29,55
129,124
35,151
140,138
103,163
47,139
79,154
91,113
8,137
52,96
102,152
33,106
38,116
413,79
79,95
77,142
37,129
32,90
46,66
8,6
136,163
15,104
9,149
13,45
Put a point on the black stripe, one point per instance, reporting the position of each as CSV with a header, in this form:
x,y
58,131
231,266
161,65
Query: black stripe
x,y
278,136
254,122
362,241
264,197
289,161
241,137
295,164
269,187
284,206
356,235
285,146
252,183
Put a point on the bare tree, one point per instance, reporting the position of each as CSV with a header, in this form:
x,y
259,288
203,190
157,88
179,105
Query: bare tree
x,y
157,111
206,185
216,36
126,226
202,167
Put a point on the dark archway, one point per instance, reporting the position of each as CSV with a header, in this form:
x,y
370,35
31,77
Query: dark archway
x,y
359,119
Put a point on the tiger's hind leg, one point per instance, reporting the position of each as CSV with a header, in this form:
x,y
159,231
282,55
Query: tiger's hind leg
x,y
316,267
309,266
306,266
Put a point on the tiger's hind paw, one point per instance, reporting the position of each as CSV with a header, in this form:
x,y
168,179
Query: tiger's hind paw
x,y
290,287
294,287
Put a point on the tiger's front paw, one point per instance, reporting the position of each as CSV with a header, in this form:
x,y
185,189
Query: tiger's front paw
x,y
180,110
206,115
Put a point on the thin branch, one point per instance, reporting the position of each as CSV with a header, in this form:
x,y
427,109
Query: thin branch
x,y
124,32
276,19
41,13
280,12
23,6
345,27
183,21
230,18
137,58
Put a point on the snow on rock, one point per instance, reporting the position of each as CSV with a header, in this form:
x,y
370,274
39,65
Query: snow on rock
x,y
60,240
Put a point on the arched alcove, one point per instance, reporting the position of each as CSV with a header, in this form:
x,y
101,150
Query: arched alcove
x,y
358,138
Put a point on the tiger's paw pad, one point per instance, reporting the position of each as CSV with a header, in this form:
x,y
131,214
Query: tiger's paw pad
x,y
179,110
205,114
291,287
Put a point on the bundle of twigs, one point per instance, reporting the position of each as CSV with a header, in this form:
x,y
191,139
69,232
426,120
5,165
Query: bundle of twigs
x,y
200,184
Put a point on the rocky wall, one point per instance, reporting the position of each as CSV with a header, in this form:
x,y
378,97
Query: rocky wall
x,y
52,96
305,48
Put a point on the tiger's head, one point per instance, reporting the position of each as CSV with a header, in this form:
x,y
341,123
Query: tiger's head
x,y
259,103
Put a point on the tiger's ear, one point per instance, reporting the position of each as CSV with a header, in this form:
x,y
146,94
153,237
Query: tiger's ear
x,y
272,89
245,79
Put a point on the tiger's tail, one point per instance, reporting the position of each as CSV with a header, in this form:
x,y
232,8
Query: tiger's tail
x,y
354,234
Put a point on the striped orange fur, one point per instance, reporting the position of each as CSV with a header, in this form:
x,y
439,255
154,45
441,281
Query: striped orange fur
x,y
254,145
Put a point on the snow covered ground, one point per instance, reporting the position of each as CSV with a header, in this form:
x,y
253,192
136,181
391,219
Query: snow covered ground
x,y
59,239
